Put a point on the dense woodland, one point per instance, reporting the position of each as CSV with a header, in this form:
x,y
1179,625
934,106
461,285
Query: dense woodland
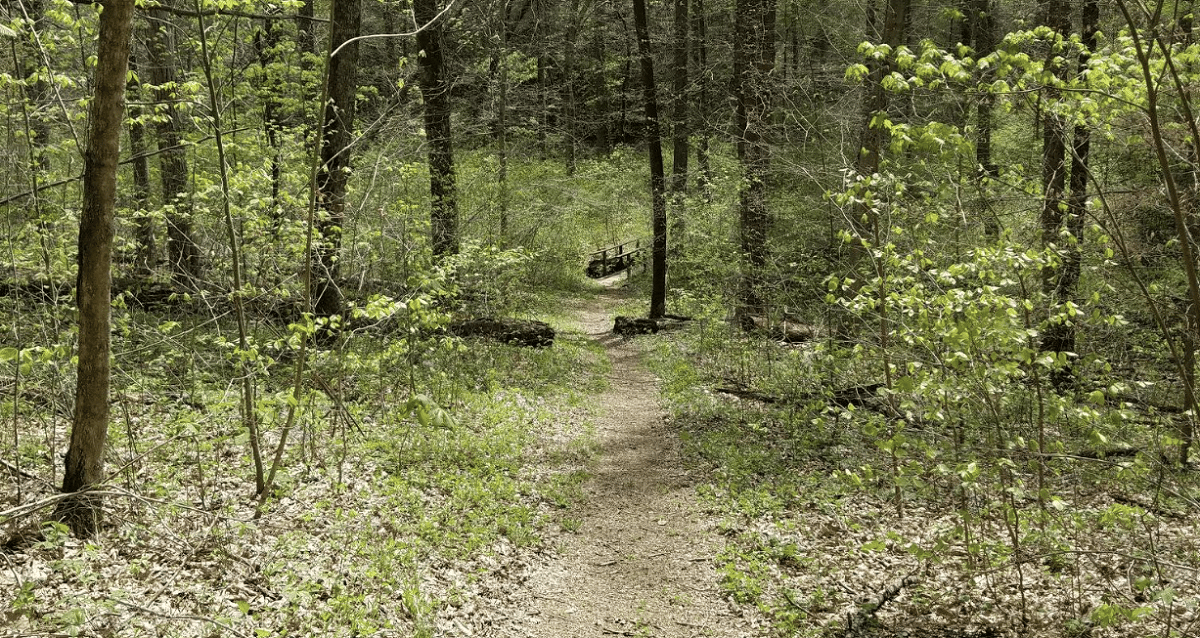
x,y
929,272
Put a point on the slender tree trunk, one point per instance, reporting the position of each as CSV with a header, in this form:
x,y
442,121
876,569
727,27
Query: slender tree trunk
x,y
37,92
679,128
1061,337
603,100
266,42
543,80
1054,180
877,101
306,39
435,89
1187,427
658,288
84,465
182,251
345,17
754,57
569,125
37,124
500,64
700,123
981,30
144,233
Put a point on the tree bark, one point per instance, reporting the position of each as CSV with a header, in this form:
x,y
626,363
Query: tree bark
x,y
345,17
266,41
1061,337
84,464
983,40
658,287
754,62
435,89
500,64
569,124
1054,175
679,128
182,251
144,233
700,124
876,102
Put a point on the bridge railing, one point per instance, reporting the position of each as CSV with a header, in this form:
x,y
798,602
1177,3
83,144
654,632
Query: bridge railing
x,y
617,257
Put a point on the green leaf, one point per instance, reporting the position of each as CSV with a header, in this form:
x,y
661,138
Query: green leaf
x,y
7,354
7,32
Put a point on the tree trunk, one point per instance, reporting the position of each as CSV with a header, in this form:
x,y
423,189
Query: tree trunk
x,y
500,64
1061,337
435,89
700,124
569,125
266,42
983,34
144,234
345,16
876,102
173,164
306,40
1054,173
679,128
84,465
658,288
37,125
754,62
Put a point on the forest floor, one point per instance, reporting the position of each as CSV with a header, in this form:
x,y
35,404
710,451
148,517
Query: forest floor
x,y
641,561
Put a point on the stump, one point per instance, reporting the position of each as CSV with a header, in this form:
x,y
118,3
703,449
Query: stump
x,y
533,334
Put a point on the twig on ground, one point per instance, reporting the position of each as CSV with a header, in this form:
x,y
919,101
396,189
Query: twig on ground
x,y
857,621
160,614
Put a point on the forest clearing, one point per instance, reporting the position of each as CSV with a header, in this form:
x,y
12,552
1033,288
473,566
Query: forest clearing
x,y
594,318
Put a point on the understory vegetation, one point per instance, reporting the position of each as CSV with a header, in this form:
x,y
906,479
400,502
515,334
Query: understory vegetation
x,y
932,281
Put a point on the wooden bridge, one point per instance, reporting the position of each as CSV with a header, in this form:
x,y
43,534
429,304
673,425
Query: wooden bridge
x,y
618,257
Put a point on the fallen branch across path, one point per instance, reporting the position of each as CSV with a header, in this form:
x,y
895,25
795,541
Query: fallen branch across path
x,y
858,620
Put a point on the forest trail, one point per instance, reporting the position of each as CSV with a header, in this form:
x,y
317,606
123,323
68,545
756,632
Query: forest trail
x,y
641,562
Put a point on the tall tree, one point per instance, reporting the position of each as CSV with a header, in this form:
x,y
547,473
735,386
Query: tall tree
x,y
658,286
266,45
700,105
1056,15
679,124
876,102
500,132
345,18
144,236
982,25
570,125
182,251
1060,337
754,62
84,464
435,90
35,109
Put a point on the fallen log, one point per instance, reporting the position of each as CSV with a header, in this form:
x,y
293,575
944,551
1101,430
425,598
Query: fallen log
x,y
630,326
533,334
784,331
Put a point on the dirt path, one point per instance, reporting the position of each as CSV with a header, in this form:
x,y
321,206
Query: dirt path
x,y
641,562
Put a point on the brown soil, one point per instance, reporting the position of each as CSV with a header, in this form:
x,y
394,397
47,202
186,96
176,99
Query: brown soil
x,y
641,562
